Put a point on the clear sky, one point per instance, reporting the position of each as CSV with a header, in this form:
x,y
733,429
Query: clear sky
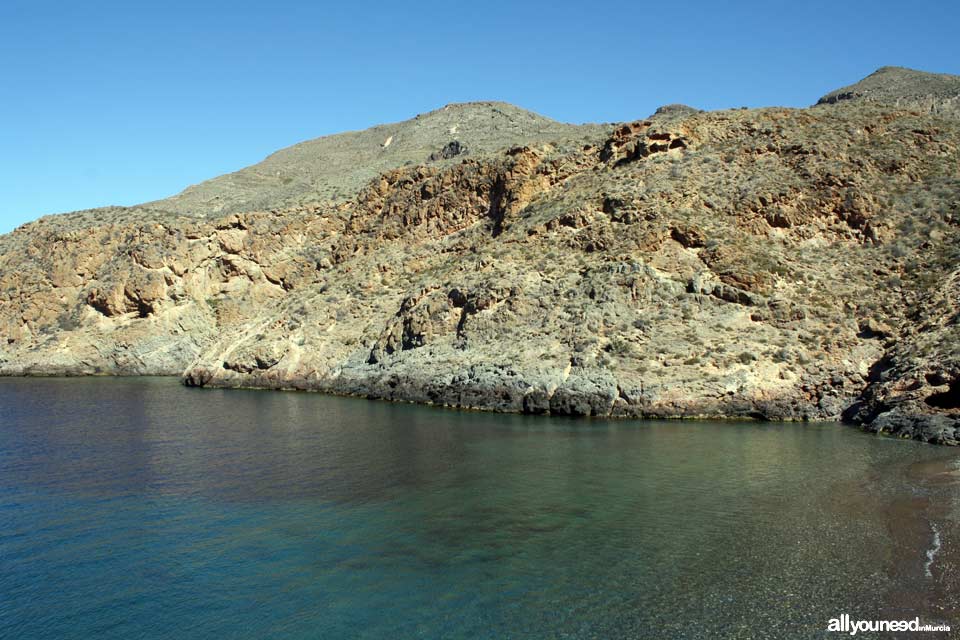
x,y
124,101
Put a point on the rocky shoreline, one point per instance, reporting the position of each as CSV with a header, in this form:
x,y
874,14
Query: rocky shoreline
x,y
571,400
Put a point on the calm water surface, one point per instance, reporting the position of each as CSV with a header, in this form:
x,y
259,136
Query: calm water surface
x,y
137,508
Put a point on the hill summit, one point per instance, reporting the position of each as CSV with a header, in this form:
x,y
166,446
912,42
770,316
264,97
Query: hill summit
x,y
334,168
937,93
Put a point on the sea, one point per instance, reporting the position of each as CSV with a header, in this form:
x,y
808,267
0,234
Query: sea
x,y
139,508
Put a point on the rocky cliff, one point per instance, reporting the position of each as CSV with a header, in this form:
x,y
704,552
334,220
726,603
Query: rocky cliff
x,y
775,263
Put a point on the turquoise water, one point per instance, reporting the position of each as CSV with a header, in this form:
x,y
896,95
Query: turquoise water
x,y
137,508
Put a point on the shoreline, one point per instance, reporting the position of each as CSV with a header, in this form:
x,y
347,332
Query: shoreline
x,y
748,416
922,522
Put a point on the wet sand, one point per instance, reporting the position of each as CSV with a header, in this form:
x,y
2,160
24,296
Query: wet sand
x,y
923,522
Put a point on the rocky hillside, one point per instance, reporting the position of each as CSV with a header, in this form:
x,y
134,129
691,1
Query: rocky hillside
x,y
773,263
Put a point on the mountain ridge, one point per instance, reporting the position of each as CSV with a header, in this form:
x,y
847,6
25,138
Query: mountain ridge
x,y
333,167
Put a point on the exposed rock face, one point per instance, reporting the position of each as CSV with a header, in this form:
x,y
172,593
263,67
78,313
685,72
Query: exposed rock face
x,y
450,150
915,388
773,263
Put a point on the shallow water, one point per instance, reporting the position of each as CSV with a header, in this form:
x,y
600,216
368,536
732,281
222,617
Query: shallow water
x,y
137,508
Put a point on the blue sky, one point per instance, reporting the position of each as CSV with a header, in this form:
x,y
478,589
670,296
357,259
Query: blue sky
x,y
127,101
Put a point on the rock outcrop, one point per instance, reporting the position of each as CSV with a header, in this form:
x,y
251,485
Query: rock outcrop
x,y
771,263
